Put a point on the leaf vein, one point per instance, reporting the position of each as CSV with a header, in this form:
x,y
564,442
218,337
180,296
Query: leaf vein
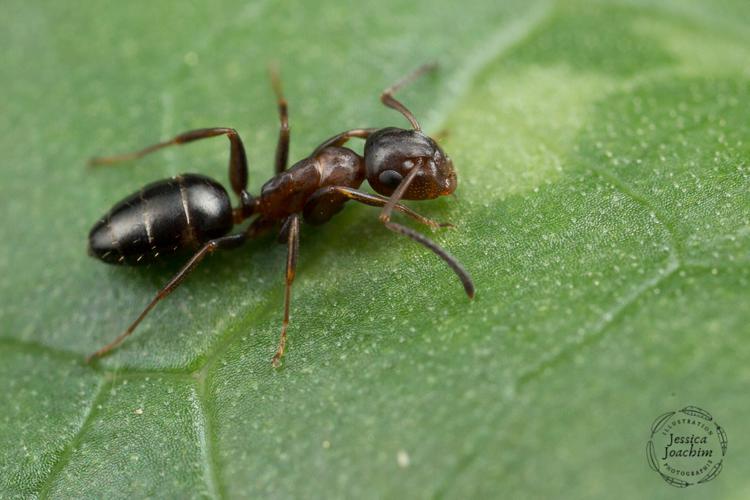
x,y
69,449
610,317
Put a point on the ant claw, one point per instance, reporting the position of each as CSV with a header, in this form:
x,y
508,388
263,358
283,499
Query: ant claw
x,y
276,361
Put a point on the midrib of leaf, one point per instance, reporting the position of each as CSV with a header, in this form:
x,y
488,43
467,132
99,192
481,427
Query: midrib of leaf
x,y
97,402
206,431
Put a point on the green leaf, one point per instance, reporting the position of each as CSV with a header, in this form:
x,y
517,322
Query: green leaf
x,y
603,209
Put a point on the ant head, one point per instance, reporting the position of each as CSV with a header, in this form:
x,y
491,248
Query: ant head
x,y
391,153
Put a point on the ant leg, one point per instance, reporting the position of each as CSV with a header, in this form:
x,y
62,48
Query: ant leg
x,y
387,96
339,140
291,227
329,194
282,146
225,242
237,156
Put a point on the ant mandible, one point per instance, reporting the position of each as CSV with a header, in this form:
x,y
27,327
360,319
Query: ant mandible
x,y
191,210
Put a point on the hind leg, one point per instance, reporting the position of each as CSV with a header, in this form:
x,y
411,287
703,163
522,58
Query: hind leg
x,y
237,156
231,241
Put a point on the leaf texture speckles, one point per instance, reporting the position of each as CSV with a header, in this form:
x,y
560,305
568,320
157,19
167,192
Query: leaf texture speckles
x,y
603,209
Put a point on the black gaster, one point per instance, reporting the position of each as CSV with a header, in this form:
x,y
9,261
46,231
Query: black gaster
x,y
161,219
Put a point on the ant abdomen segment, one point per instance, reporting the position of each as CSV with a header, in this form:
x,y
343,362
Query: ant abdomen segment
x,y
162,218
195,211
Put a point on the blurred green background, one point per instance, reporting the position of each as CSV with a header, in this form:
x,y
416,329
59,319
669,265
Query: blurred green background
x,y
603,209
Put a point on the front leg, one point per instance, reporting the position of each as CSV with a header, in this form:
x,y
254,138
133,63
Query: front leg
x,y
328,201
339,140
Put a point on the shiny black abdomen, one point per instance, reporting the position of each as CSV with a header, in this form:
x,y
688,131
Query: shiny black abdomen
x,y
162,219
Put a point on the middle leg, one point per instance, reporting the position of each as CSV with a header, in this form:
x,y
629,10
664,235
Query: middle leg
x,y
231,241
291,227
323,203
255,229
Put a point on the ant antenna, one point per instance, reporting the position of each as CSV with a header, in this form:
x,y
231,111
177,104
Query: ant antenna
x,y
385,215
387,96
273,73
385,218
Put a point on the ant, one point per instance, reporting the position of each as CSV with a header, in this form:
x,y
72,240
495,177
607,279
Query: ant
x,y
191,210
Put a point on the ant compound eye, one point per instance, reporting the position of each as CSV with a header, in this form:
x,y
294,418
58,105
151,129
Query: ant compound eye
x,y
390,178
